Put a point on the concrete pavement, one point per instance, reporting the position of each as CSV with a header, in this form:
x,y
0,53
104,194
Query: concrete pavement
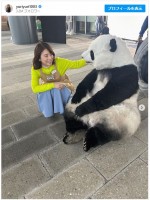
x,y
36,163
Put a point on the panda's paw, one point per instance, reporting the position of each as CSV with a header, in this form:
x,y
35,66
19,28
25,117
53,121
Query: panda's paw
x,y
65,138
80,111
86,144
73,138
85,109
75,99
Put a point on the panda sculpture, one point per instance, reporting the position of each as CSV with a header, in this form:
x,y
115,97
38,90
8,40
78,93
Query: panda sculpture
x,y
104,106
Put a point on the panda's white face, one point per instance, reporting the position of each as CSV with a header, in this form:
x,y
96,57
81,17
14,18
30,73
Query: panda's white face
x,y
108,51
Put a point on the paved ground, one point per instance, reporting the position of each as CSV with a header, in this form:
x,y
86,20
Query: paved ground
x,y
36,163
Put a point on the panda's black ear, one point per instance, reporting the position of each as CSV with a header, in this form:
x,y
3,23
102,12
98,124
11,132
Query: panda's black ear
x,y
113,45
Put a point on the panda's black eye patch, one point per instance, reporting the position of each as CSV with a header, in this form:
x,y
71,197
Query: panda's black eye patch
x,y
92,55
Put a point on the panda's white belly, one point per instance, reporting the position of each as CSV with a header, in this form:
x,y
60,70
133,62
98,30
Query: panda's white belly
x,y
122,117
99,84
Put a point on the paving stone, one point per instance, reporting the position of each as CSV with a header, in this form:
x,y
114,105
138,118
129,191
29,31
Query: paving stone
x,y
20,65
11,82
33,124
144,157
144,114
112,157
7,136
131,183
7,108
34,98
23,178
77,182
18,58
15,73
2,100
59,130
79,76
20,50
16,87
145,92
142,132
24,148
16,104
12,96
62,156
32,110
141,95
12,118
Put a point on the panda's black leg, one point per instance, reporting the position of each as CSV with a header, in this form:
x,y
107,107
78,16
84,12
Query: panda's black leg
x,y
90,140
94,137
65,138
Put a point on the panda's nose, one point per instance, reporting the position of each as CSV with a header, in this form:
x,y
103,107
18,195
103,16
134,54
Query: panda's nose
x,y
92,55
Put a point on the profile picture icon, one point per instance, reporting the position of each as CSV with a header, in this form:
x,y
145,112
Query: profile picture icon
x,y
8,8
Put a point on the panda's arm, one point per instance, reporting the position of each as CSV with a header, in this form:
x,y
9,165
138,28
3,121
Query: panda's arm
x,y
122,85
85,86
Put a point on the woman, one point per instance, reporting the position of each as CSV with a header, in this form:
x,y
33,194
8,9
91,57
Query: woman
x,y
49,81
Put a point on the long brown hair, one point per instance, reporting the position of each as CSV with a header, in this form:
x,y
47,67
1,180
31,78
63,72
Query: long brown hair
x,y
40,47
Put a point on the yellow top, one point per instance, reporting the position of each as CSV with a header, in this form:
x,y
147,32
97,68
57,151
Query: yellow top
x,y
62,66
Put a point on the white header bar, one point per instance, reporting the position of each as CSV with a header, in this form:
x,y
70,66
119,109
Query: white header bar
x,y
68,7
